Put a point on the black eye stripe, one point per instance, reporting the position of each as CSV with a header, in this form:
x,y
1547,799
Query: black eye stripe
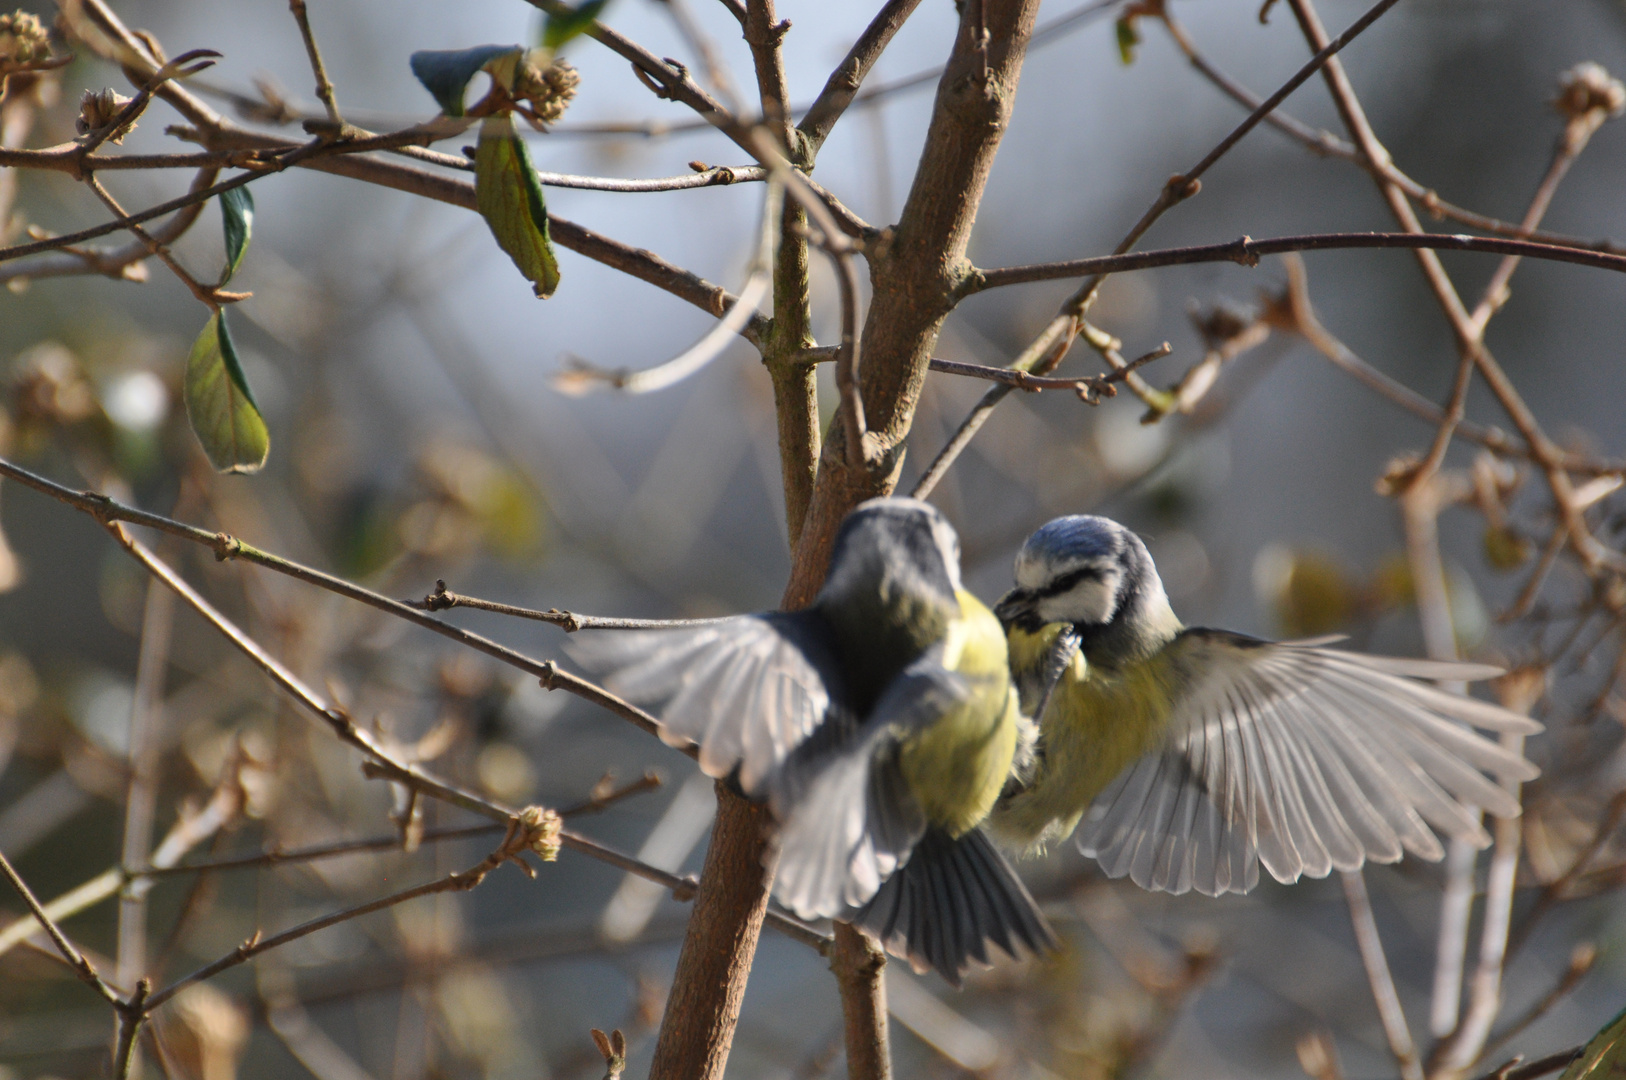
x,y
1069,580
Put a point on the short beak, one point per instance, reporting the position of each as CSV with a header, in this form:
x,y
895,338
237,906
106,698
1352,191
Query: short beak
x,y
1014,605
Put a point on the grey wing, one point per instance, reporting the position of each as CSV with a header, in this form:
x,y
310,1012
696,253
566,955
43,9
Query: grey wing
x,y
1306,759
747,690
847,820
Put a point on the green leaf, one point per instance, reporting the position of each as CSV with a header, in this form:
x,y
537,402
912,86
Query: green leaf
x,y
1604,1057
445,73
237,216
220,404
509,195
565,22
1128,38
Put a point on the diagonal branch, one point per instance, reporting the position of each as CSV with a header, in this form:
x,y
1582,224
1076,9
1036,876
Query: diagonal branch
x,y
843,85
70,952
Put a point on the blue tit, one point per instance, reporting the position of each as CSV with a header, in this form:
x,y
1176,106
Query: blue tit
x,y
1184,757
879,726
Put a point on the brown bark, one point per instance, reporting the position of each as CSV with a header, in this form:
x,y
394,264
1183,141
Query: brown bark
x,y
709,985
859,964
914,278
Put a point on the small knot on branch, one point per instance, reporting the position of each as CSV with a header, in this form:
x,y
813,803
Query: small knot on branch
x,y
685,889
101,506
226,547
441,598
550,675
1245,255
568,621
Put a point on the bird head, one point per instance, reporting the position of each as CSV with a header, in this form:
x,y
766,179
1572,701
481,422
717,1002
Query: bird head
x,y
894,546
1091,572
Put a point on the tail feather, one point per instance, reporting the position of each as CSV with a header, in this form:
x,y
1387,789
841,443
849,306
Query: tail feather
x,y
949,900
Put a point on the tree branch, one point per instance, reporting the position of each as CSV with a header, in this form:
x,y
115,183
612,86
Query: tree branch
x,y
70,952
1247,251
843,85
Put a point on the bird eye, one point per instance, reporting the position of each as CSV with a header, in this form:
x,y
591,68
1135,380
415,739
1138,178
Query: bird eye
x,y
1067,581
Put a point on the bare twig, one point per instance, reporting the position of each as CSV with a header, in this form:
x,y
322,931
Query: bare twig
x,y
141,799
1390,1012
70,952
1089,389
324,86
189,830
1326,143
841,89
1246,251
256,944
210,295
1303,321
1546,454
1582,957
442,599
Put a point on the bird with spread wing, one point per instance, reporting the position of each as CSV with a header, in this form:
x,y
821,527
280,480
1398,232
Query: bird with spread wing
x,y
879,726
1185,757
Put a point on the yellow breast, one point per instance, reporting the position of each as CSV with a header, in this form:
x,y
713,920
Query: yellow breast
x,y
1098,722
956,767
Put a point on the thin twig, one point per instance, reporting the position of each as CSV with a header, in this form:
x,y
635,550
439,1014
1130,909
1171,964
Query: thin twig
x,y
1247,251
1546,454
705,49
1578,132
209,295
189,830
1089,389
1582,957
324,86
256,944
442,599
1390,1012
1303,321
141,796
841,89
76,959
1325,142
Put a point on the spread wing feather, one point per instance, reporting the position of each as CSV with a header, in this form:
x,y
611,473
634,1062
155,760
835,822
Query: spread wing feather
x,y
746,690
1305,759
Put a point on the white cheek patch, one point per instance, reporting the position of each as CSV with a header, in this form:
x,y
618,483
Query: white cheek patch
x,y
1090,601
